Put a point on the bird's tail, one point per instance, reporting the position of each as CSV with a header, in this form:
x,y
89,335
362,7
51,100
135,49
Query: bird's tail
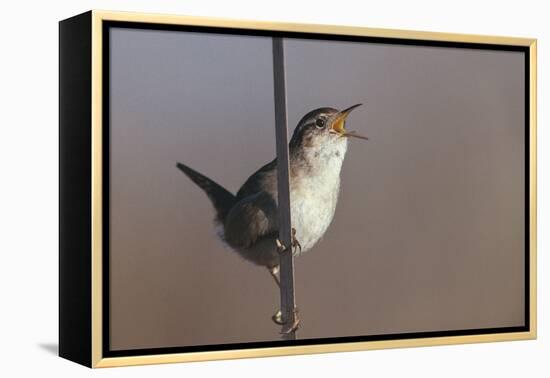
x,y
220,197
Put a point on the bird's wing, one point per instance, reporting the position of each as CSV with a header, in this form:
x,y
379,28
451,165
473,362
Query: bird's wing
x,y
251,219
220,197
263,180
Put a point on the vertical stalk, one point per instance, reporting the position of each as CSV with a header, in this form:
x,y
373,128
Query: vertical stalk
x,y
288,304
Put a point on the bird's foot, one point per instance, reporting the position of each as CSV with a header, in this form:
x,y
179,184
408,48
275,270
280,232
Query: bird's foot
x,y
280,246
287,327
292,326
295,244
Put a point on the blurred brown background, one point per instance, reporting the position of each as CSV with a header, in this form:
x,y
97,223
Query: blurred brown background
x,y
428,233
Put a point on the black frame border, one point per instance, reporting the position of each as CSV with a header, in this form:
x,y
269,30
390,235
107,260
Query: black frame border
x,y
75,197
107,352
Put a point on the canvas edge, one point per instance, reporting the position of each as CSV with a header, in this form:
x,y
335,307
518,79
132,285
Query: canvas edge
x,y
74,335
98,16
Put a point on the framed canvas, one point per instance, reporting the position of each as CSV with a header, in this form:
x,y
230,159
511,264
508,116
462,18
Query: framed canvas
x,y
235,189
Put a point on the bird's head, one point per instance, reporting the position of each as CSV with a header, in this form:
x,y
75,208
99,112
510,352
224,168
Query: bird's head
x,y
322,131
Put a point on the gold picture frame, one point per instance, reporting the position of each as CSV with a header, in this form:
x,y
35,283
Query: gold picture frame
x,y
86,32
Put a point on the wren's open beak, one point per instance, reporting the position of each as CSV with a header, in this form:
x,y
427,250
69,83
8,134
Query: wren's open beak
x,y
338,126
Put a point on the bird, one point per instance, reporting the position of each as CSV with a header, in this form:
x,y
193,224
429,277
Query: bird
x,y
248,220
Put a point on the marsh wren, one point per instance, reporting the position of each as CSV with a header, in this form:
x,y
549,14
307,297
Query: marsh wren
x,y
249,221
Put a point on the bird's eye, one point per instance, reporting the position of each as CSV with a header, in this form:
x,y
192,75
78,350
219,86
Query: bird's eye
x,y
320,123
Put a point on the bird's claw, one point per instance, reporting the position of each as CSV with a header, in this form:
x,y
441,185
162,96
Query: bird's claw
x,y
295,244
280,246
291,326
287,327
